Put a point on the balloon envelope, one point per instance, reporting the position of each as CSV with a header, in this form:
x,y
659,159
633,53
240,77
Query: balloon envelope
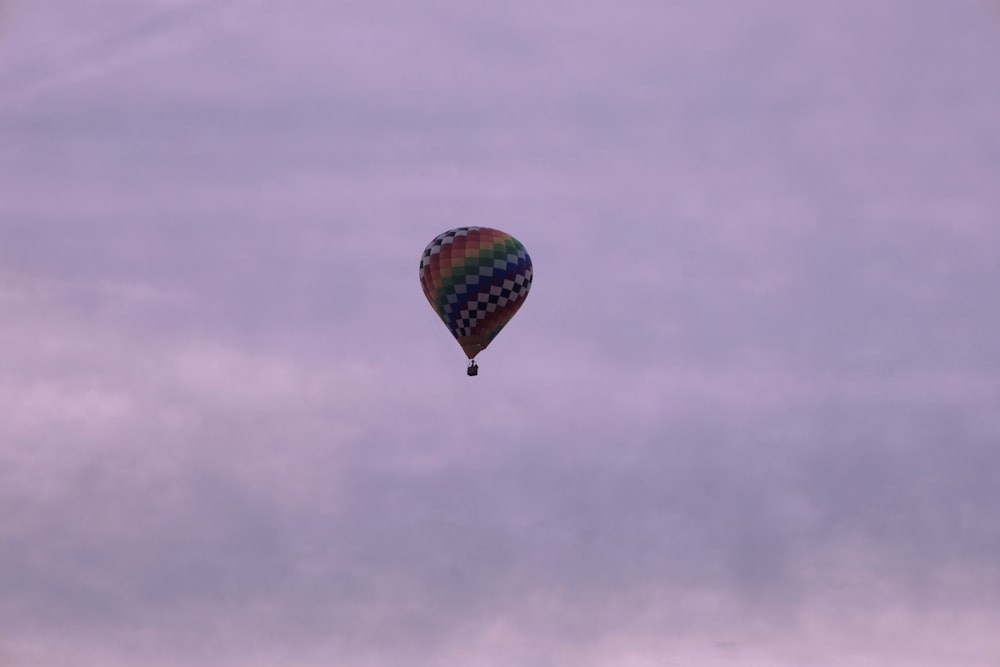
x,y
475,278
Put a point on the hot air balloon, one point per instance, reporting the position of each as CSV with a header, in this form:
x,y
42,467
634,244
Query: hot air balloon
x,y
475,279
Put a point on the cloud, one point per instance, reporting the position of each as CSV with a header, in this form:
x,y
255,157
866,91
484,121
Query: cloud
x,y
746,416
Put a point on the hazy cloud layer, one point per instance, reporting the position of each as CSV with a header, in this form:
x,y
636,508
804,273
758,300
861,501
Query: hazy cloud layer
x,y
748,415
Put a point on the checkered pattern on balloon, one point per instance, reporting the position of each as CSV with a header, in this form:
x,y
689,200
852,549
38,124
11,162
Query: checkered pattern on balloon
x,y
476,279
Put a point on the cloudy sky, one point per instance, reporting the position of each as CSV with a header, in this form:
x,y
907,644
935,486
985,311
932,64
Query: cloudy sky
x,y
749,415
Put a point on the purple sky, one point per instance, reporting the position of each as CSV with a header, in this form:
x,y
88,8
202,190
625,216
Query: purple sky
x,y
749,414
